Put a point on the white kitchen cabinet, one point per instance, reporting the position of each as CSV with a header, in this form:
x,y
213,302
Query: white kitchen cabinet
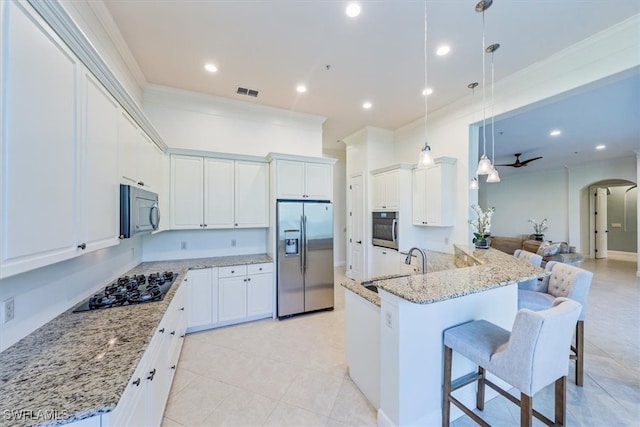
x,y
99,176
304,180
39,143
218,193
245,292
386,262
137,155
144,398
202,298
434,193
251,194
386,190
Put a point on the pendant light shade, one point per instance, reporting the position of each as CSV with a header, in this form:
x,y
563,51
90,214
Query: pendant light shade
x,y
484,166
425,156
473,185
493,176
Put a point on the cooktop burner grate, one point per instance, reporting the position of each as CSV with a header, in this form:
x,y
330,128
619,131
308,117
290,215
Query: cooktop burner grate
x,y
130,290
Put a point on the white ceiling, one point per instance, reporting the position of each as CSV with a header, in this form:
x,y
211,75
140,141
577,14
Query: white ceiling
x,y
272,46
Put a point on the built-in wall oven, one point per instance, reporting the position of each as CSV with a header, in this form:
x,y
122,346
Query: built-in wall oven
x,y
385,229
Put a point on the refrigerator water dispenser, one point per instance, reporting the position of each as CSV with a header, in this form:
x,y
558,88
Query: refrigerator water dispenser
x,y
291,240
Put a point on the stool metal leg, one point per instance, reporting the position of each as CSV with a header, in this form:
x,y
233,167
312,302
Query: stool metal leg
x,y
561,400
481,387
446,388
526,410
580,353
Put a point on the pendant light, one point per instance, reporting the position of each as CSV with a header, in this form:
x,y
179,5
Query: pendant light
x,y
493,176
484,165
426,158
473,185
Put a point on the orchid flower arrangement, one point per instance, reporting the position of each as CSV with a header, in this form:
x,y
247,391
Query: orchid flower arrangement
x,y
540,227
482,225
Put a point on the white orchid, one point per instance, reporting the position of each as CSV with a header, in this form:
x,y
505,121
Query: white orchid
x,y
540,227
482,225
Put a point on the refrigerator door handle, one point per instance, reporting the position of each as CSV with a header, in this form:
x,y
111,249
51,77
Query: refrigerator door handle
x,y
302,243
305,242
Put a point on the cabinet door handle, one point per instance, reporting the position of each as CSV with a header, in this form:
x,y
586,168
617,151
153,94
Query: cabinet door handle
x,y
201,225
182,336
182,308
173,332
359,242
152,374
205,225
260,269
161,331
173,367
136,382
233,271
248,279
82,246
236,225
141,184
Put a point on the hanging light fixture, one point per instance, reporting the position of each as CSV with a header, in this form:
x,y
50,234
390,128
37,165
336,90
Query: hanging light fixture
x,y
426,158
484,165
473,185
493,175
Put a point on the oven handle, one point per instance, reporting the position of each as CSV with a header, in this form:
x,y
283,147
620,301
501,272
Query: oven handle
x,y
394,230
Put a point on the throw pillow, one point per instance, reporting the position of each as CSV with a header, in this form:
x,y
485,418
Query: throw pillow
x,y
549,249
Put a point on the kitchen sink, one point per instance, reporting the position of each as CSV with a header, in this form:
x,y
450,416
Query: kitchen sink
x,y
371,284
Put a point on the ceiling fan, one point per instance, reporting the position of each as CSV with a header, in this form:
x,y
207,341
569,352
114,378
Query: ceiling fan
x,y
518,163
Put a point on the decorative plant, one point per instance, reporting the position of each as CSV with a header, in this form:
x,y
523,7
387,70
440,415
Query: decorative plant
x,y
540,227
482,225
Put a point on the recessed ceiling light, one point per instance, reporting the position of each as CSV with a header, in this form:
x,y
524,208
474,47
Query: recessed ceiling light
x,y
352,10
443,50
555,132
211,68
601,147
367,105
427,91
301,89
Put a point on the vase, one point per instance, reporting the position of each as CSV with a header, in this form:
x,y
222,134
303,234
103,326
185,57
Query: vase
x,y
538,237
481,243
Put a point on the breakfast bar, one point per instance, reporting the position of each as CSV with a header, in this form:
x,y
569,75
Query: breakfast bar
x,y
405,347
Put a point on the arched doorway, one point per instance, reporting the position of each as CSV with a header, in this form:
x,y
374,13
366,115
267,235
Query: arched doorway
x,y
613,224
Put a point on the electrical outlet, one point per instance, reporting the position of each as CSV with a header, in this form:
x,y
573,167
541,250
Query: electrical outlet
x,y
388,320
8,310
233,243
183,245
133,252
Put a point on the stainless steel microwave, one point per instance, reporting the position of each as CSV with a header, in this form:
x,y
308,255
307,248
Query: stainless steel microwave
x,y
385,229
139,211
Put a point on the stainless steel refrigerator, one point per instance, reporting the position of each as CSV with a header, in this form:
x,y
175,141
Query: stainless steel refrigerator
x,y
305,257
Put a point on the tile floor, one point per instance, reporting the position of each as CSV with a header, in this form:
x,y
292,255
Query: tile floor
x,y
292,372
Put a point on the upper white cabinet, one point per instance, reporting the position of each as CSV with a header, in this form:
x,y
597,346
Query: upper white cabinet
x,y
434,193
139,157
218,193
386,190
303,180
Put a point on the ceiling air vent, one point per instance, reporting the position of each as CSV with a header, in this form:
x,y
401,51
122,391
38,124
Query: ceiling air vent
x,y
247,92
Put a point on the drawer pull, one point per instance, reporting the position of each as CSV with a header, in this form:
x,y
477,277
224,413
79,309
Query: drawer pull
x,y
233,271
173,332
182,336
152,374
136,382
181,308
173,367
260,269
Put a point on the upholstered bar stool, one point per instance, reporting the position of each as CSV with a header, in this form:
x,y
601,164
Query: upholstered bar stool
x,y
531,258
529,358
565,281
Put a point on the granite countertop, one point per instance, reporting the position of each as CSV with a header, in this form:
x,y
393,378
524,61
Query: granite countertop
x,y
79,364
478,270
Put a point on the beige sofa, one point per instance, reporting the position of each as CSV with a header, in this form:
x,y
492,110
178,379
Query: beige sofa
x,y
550,251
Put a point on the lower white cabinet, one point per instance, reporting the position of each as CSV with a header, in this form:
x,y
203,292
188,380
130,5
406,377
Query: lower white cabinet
x,y
144,399
202,298
385,262
245,292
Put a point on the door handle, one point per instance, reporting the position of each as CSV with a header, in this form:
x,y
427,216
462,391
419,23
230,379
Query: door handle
x,y
301,244
155,222
306,243
359,242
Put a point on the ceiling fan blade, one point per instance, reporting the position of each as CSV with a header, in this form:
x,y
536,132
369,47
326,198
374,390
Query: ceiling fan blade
x,y
529,160
508,164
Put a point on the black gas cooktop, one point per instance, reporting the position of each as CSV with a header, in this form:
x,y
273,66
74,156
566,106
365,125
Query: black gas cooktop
x,y
130,290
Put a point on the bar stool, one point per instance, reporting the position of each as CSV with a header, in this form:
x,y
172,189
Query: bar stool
x,y
531,258
529,358
565,281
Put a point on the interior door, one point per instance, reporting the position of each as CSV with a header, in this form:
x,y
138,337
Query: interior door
x,y
356,228
601,223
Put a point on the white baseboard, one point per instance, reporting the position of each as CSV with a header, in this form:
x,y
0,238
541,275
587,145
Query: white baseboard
x,y
622,256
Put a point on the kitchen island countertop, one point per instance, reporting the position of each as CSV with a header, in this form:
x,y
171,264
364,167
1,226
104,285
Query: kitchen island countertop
x,y
78,365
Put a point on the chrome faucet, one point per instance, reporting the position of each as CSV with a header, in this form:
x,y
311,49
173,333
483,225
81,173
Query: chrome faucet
x,y
407,260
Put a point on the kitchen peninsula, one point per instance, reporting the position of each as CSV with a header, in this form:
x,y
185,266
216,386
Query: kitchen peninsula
x,y
394,338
